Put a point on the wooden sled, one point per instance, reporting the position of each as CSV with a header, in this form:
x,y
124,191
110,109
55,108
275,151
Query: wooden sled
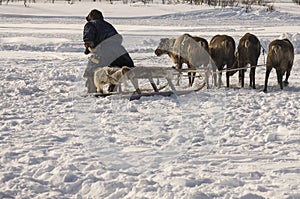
x,y
150,73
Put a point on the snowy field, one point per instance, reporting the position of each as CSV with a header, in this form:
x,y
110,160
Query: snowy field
x,y
218,143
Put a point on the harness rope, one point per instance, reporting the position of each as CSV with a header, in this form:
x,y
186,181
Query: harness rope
x,y
225,70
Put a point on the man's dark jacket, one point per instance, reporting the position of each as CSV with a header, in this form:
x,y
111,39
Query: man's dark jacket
x,y
99,30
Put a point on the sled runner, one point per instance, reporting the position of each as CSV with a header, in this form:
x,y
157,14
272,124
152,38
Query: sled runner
x,y
148,75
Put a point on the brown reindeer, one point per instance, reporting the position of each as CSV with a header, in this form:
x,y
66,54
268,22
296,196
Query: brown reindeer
x,y
281,57
221,49
248,52
185,49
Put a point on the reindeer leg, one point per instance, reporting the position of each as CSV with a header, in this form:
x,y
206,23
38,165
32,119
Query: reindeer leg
x,y
215,75
288,72
252,77
207,76
220,78
266,78
243,77
279,78
227,79
178,79
240,76
190,78
178,66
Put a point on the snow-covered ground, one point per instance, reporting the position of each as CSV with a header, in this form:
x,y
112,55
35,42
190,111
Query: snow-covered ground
x,y
216,143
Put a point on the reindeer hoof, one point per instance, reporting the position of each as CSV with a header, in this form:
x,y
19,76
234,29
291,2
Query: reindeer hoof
x,y
265,90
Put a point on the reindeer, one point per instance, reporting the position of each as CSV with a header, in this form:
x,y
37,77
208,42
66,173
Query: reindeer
x,y
221,49
248,52
185,49
281,57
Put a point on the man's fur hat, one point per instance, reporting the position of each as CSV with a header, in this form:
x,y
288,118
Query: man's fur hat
x,y
94,14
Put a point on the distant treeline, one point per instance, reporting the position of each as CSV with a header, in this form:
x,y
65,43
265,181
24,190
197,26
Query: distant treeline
x,y
222,3
296,2
24,1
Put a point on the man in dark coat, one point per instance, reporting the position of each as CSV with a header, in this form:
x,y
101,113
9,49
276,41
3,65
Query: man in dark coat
x,y
101,38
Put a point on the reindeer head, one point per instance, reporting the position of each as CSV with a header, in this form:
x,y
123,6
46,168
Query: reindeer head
x,y
165,46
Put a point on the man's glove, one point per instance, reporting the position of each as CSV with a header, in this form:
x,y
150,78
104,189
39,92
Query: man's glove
x,y
86,51
87,45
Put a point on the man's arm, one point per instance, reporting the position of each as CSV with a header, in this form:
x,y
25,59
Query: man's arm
x,y
89,36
